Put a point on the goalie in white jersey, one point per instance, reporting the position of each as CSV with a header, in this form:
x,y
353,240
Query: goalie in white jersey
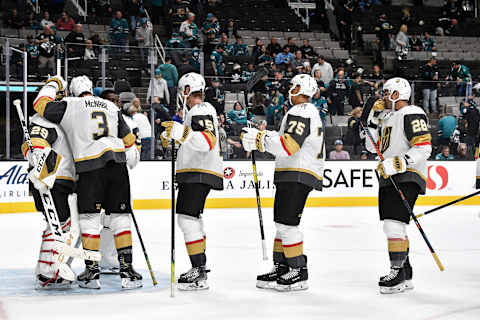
x,y
300,152
199,169
401,132
102,146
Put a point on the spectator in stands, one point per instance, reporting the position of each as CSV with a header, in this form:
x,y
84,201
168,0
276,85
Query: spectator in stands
x,y
216,58
364,155
415,43
230,29
215,95
461,74
356,98
89,53
239,116
470,124
185,67
274,47
273,112
178,116
307,50
103,8
337,92
265,59
429,74
298,61
189,31
46,21
170,74
450,10
352,137
291,44
132,9
144,129
344,18
325,68
321,103
445,128
401,41
406,18
75,42
247,74
383,30
444,154
257,50
377,78
211,28
32,51
194,59
179,12
321,85
239,48
144,38
428,43
119,31
339,153
462,154
284,58
47,43
157,10
13,20
65,23
175,41
159,88
279,83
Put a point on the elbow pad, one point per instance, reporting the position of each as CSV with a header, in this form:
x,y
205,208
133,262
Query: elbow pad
x,y
417,154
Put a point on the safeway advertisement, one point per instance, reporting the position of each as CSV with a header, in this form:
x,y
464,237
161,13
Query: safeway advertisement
x,y
151,180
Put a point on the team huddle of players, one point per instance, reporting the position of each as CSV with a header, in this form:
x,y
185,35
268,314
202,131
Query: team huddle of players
x,y
96,145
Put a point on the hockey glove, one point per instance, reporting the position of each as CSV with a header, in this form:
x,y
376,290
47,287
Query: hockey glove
x,y
392,166
45,166
177,131
253,139
57,82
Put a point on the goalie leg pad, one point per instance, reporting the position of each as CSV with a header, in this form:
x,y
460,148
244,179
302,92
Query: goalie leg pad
x,y
194,239
396,233
292,243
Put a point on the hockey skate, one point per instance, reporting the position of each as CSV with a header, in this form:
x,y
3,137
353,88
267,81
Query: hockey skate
x,y
269,280
193,280
130,278
45,283
408,275
90,278
294,280
394,282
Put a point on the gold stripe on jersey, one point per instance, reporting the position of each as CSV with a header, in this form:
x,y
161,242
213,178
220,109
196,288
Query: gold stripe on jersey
x,y
129,139
417,172
212,140
44,173
201,171
41,104
299,170
99,154
65,178
290,143
419,139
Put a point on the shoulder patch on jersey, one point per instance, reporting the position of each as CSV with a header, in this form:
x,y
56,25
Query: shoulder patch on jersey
x,y
297,129
416,129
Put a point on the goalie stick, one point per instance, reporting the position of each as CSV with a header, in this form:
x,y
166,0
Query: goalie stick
x,y
250,85
65,247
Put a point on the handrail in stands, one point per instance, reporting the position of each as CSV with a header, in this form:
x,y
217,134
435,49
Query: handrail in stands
x,y
156,40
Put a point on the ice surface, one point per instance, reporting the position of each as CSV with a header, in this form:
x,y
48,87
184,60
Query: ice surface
x,y
346,252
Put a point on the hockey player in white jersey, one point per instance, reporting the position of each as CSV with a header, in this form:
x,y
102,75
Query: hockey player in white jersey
x,y
401,132
48,138
102,145
299,153
199,169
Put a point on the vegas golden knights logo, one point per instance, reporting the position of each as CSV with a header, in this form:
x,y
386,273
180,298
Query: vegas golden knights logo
x,y
385,141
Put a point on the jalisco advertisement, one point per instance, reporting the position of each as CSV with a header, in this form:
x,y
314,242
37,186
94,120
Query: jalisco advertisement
x,y
346,183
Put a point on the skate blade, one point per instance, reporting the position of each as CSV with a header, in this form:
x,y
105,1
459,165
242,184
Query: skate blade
x,y
299,286
93,284
110,271
53,286
266,284
392,290
409,285
128,284
196,286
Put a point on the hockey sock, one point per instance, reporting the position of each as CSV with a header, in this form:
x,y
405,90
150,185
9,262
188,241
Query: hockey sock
x,y
194,235
292,245
120,226
278,255
90,228
397,250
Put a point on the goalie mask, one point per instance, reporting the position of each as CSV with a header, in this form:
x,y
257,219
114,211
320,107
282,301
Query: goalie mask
x,y
308,86
399,85
81,85
191,81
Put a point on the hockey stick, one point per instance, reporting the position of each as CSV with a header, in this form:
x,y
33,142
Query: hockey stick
x,y
144,250
172,226
250,84
404,199
63,247
447,204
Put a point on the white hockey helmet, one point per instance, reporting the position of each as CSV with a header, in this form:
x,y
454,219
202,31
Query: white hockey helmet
x,y
308,86
81,85
191,80
401,86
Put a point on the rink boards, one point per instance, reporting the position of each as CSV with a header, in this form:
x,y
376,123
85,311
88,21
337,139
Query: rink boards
x,y
346,183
